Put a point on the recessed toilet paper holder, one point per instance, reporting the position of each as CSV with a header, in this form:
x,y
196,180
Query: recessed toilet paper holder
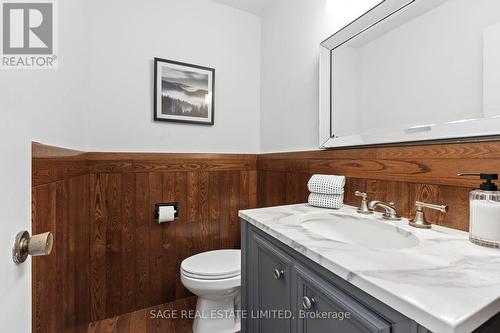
x,y
174,204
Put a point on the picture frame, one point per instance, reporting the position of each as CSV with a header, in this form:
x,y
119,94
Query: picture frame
x,y
183,92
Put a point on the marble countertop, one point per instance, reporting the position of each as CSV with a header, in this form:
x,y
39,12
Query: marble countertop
x,y
444,283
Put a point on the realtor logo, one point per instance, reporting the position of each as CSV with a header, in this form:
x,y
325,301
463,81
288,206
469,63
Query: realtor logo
x,y
28,34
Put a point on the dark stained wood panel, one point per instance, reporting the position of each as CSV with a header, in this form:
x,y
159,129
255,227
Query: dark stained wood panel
x,y
171,165
431,171
142,245
182,232
429,164
111,257
51,164
192,165
43,268
129,298
167,157
474,150
61,293
46,171
42,151
110,166
141,321
98,245
394,174
128,261
135,262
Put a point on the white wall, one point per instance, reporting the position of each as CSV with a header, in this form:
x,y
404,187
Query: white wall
x,y
125,36
43,105
58,100
15,194
100,98
291,33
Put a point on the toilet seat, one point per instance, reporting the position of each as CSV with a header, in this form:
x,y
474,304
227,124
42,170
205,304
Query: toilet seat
x,y
213,265
211,277
215,278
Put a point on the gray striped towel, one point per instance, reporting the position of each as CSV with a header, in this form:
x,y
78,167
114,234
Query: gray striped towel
x,y
326,184
335,201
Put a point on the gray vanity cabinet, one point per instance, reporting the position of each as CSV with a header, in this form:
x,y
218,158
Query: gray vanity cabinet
x,y
271,285
284,292
318,298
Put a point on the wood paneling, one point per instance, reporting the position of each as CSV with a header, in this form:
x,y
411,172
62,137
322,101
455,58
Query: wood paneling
x,y
210,189
429,164
398,174
46,171
41,151
51,164
110,255
61,295
135,261
142,321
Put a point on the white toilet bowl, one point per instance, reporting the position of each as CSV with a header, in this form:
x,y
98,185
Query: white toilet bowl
x,y
215,277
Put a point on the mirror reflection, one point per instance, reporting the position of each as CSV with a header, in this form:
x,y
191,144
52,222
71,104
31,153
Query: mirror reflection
x,y
421,66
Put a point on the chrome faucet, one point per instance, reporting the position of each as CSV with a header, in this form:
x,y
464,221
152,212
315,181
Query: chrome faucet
x,y
390,209
363,207
419,221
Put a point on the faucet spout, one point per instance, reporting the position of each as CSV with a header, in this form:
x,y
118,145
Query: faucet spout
x,y
390,210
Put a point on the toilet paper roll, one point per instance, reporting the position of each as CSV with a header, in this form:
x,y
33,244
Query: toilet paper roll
x,y
166,214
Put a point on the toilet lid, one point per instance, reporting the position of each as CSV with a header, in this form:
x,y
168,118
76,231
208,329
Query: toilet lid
x,y
213,264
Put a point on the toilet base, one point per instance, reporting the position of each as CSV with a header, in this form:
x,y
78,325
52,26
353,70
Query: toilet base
x,y
217,315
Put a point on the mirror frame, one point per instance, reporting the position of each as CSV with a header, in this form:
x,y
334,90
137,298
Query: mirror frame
x,y
481,129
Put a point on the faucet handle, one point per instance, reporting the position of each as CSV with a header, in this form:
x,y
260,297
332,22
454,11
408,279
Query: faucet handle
x,y
419,220
441,208
363,208
361,194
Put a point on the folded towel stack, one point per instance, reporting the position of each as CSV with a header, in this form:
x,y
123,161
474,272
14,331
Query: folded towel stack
x,y
327,191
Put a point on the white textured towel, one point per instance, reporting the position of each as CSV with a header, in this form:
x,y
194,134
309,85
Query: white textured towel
x,y
326,184
335,201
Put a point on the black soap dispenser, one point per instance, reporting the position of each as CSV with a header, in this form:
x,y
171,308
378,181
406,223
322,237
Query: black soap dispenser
x,y
484,215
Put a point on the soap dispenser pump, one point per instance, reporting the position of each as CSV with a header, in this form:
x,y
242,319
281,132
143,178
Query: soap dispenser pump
x,y
484,215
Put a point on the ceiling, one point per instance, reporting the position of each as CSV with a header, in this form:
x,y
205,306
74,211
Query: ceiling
x,y
253,6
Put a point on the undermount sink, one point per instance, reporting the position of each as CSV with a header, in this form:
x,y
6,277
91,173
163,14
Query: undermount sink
x,y
359,231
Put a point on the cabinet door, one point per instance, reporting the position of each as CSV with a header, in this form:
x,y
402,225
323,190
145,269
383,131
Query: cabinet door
x,y
323,308
270,270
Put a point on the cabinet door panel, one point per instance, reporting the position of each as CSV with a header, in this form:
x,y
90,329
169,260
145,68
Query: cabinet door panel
x,y
271,288
328,305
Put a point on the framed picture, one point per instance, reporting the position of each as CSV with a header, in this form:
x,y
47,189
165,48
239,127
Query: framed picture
x,y
183,92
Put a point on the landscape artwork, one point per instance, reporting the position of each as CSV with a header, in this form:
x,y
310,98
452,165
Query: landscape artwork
x,y
183,92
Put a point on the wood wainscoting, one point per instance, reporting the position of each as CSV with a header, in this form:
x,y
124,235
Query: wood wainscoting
x,y
134,261
60,204
110,256
394,174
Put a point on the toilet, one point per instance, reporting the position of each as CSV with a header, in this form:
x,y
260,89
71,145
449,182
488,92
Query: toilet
x,y
215,277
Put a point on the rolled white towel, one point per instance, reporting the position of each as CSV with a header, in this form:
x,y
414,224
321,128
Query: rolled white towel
x,y
335,201
326,184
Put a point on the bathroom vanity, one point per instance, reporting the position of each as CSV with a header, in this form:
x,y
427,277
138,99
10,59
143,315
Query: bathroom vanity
x,y
307,269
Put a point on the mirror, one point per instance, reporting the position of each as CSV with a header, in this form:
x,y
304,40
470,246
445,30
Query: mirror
x,y
412,71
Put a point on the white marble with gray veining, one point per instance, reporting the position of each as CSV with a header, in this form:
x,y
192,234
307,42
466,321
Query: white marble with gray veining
x,y
445,283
